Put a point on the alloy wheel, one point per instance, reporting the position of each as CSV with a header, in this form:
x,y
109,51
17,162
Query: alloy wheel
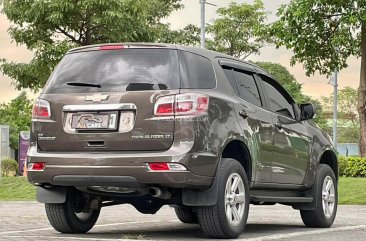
x,y
234,199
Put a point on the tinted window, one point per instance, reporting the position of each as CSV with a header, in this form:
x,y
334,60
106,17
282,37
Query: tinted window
x,y
196,71
230,76
278,99
116,70
247,87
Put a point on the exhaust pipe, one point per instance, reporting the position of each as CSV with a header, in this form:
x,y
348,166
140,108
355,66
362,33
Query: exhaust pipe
x,y
159,193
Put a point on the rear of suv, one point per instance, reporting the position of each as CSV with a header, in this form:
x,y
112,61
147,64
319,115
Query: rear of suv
x,y
157,124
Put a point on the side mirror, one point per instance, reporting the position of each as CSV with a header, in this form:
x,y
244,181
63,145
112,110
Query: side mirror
x,y
307,111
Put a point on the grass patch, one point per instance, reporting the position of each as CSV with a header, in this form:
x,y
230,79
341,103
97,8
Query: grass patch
x,y
352,190
16,189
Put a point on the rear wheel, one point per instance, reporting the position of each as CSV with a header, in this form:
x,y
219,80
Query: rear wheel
x,y
186,215
227,219
327,199
71,216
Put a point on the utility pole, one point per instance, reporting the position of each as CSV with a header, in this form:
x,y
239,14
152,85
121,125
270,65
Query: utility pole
x,y
203,23
334,82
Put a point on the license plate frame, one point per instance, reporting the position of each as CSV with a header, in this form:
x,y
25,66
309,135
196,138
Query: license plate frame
x,y
94,121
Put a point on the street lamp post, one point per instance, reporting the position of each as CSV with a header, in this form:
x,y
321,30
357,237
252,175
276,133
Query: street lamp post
x,y
203,23
335,110
334,81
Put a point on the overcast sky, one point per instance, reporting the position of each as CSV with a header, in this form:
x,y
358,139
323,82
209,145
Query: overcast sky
x,y
315,86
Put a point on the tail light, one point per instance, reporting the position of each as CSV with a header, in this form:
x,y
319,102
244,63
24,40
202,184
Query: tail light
x,y
41,109
181,104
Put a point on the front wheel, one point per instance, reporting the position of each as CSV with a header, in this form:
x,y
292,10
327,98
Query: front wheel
x,y
71,216
227,219
327,199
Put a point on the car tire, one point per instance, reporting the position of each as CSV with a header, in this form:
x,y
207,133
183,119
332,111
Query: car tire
x,y
227,219
64,219
186,215
327,200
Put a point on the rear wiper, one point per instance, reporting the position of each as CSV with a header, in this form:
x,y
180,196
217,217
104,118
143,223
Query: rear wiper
x,y
84,84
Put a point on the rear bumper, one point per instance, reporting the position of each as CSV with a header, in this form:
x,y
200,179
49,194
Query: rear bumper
x,y
123,169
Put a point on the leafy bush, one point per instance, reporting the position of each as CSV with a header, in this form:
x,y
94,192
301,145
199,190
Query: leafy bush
x,y
352,166
8,166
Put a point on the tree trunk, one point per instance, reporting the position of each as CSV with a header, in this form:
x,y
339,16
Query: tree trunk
x,y
362,93
88,39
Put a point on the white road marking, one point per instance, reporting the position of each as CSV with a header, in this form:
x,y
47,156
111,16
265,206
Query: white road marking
x,y
96,226
23,231
136,222
263,238
298,234
63,238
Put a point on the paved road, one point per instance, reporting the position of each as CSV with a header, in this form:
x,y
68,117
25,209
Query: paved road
x,y
27,221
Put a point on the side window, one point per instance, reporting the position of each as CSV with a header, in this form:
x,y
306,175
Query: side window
x,y
230,76
196,72
247,87
278,103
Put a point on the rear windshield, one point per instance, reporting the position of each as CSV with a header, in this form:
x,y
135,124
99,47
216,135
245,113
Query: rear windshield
x,y
116,70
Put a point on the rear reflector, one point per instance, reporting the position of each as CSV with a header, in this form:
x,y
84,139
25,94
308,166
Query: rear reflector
x,y
181,104
159,166
166,166
38,166
41,109
111,47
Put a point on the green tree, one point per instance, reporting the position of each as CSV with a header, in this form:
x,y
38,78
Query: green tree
x,y
288,81
50,28
348,120
17,115
189,35
323,35
347,104
239,29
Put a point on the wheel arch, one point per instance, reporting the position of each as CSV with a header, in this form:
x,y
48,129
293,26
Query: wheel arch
x,y
238,150
235,149
328,157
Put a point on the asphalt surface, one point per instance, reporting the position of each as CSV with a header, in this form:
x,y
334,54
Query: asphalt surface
x,y
27,221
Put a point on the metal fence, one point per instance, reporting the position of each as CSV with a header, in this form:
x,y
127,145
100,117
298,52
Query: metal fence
x,y
348,149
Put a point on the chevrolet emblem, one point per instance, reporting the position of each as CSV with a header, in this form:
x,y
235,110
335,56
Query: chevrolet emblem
x,y
96,97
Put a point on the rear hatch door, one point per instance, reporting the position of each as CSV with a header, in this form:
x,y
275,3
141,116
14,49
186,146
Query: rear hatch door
x,y
103,99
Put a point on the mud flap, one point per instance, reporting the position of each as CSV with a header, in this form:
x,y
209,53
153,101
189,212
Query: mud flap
x,y
313,192
196,198
52,195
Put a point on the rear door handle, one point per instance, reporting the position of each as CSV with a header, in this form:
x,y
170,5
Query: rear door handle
x,y
243,114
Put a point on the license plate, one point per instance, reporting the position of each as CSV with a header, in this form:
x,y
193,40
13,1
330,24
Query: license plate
x,y
93,121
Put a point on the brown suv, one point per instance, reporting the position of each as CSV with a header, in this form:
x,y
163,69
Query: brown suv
x,y
156,124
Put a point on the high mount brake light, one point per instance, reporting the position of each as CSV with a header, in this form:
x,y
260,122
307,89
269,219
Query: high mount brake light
x,y
111,47
181,104
41,109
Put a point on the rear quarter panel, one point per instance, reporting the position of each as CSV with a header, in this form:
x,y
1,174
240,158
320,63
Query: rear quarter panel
x,y
213,131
